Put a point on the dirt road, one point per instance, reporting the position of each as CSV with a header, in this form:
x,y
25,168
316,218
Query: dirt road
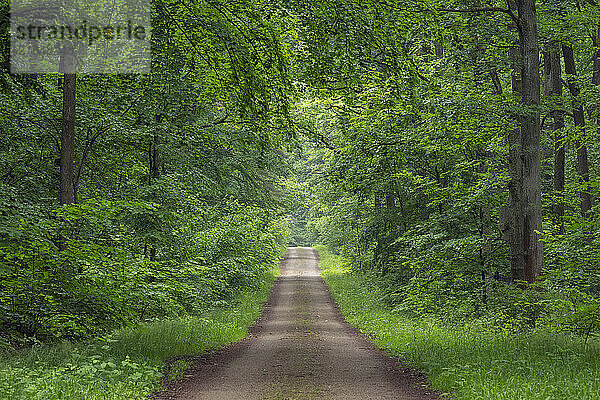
x,y
300,348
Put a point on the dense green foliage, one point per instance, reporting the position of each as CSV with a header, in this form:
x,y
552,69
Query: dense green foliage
x,y
469,361
393,133
45,295
177,181
408,174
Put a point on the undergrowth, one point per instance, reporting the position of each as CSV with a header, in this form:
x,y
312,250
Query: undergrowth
x,y
129,363
469,362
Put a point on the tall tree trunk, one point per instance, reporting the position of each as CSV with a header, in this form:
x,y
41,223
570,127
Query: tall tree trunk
x,y
402,213
596,43
553,89
496,82
154,171
583,169
153,159
390,200
596,74
154,174
486,245
515,186
67,137
524,155
439,49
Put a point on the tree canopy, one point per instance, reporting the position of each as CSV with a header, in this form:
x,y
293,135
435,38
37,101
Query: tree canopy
x,y
445,148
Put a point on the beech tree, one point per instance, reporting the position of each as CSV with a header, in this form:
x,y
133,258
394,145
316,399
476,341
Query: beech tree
x,y
527,257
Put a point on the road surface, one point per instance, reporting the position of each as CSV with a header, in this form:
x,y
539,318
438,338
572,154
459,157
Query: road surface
x,y
300,348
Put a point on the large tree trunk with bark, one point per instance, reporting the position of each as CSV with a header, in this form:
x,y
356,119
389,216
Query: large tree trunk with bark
x,y
583,169
524,155
154,171
596,43
596,75
553,90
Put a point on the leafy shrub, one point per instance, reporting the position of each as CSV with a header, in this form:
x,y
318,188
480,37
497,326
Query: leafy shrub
x,y
84,268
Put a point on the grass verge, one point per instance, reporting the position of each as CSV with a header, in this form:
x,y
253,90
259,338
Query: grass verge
x,y
469,364
128,364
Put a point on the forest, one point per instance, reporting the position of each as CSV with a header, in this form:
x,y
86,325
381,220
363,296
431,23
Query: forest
x,y
441,155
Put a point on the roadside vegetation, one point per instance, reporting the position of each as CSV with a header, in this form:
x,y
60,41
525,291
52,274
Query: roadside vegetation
x,y
129,363
473,361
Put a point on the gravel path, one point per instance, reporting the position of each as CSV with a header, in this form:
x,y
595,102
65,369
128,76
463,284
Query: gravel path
x,y
300,348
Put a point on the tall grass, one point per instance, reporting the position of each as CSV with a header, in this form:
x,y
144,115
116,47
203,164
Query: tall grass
x,y
129,363
470,363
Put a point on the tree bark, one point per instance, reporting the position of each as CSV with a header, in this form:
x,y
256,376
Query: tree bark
x,y
154,174
524,154
553,90
596,74
439,49
596,43
390,200
583,169
154,171
496,82
153,158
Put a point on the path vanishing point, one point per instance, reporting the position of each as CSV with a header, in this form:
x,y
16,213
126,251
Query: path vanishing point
x,y
300,348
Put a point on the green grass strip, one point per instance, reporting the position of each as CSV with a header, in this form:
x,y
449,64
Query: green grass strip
x,y
467,364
